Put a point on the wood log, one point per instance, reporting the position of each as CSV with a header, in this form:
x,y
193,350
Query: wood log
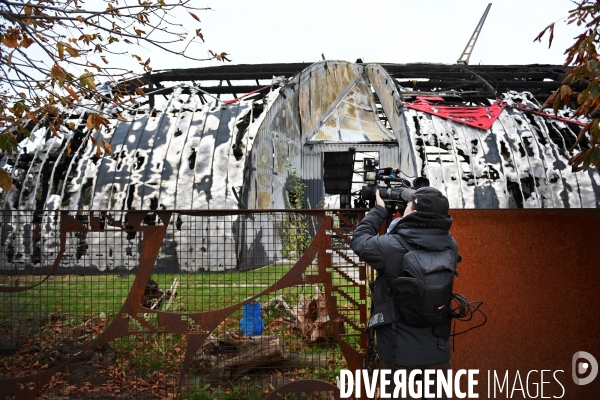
x,y
296,360
252,352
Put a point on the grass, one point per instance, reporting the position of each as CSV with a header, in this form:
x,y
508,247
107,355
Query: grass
x,y
85,297
76,299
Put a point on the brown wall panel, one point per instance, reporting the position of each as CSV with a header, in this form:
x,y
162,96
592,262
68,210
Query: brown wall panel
x,y
537,272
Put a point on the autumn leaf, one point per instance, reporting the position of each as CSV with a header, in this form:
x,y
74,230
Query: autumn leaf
x,y
107,147
565,94
95,121
61,50
98,68
73,52
11,39
140,92
223,57
87,80
26,42
72,93
541,34
5,180
69,148
57,72
63,29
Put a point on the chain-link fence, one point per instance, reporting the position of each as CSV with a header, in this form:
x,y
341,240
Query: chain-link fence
x,y
193,305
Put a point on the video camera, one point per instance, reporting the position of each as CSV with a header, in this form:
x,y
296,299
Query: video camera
x,y
391,193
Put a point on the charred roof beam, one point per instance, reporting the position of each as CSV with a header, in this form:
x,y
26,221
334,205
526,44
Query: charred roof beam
x,y
489,88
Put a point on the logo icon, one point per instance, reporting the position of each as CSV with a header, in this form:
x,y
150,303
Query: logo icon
x,y
580,367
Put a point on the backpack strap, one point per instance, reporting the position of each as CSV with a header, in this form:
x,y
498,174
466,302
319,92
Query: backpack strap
x,y
406,244
409,247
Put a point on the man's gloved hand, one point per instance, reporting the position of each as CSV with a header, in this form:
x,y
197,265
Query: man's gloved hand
x,y
378,199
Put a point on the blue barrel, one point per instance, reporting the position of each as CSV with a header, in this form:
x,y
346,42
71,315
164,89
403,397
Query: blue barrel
x,y
251,323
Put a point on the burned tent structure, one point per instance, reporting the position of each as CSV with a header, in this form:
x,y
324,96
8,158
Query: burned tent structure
x,y
187,148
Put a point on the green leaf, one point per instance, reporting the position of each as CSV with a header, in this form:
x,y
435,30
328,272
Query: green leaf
x,y
23,131
556,105
583,95
8,142
594,90
87,80
586,160
21,107
595,157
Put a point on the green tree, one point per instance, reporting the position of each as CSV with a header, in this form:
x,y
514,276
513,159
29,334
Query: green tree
x,y
583,66
54,52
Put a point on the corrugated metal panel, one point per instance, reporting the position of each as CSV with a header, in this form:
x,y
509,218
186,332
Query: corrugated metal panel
x,y
391,102
180,156
321,88
352,118
517,163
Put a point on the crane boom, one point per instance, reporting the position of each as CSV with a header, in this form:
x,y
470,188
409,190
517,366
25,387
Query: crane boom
x,y
466,54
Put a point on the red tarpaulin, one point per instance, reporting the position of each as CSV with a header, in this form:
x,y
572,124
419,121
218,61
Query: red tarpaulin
x,y
479,116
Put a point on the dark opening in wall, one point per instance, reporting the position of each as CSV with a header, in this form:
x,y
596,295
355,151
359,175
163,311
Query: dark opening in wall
x,y
86,193
494,174
521,148
130,197
541,138
139,161
464,156
528,143
192,159
505,152
528,186
514,193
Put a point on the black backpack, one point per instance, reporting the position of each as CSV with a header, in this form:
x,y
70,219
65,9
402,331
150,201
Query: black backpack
x,y
422,291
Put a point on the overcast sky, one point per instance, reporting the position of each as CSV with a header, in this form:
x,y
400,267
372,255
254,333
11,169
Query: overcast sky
x,y
400,31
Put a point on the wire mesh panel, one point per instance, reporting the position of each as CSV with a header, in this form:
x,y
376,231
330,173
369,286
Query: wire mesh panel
x,y
193,305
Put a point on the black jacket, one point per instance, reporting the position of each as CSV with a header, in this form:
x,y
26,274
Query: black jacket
x,y
428,231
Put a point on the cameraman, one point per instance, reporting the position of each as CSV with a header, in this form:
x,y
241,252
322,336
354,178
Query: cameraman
x,y
425,224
